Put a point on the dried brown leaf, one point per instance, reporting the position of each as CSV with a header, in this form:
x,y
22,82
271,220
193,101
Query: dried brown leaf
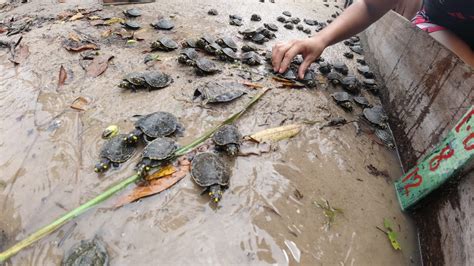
x,y
140,34
167,170
77,16
21,54
62,76
79,103
98,22
98,65
252,85
106,33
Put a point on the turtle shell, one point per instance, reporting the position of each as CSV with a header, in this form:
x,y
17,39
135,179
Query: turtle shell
x,y
259,38
90,252
234,16
341,67
341,96
190,43
248,32
117,150
281,19
157,80
295,20
365,71
131,25
227,134
251,58
289,26
286,13
351,84
135,78
299,27
206,66
357,49
164,43
386,137
271,26
133,12
362,101
160,149
334,77
324,67
255,17
235,22
158,124
208,169
213,92
227,42
163,24
376,115
369,82
310,22
228,54
190,53
212,48
212,12
289,74
249,48
307,30
348,55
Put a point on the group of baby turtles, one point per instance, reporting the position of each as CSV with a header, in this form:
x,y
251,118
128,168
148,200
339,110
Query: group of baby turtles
x,y
157,131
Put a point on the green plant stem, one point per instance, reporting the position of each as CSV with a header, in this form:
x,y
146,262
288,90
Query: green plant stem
x,y
48,229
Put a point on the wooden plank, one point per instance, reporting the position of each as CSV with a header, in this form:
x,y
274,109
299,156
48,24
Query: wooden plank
x,y
454,153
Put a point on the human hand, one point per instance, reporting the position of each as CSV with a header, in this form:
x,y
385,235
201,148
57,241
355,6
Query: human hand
x,y
283,53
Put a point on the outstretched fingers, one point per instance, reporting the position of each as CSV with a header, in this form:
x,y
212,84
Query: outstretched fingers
x,y
289,55
306,63
278,52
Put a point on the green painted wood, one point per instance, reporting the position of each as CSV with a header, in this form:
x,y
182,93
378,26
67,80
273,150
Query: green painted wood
x,y
453,153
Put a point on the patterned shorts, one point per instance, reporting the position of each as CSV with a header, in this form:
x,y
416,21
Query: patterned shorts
x,y
422,21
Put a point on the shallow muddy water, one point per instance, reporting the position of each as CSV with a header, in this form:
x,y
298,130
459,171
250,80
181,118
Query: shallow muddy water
x,y
48,150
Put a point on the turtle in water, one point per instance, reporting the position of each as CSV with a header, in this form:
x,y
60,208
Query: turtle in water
x,y
376,116
115,151
210,172
205,66
152,126
188,56
155,153
212,12
340,67
156,80
133,81
91,252
164,44
227,54
132,12
362,101
386,137
255,17
228,138
163,24
343,99
213,92
251,58
350,84
227,42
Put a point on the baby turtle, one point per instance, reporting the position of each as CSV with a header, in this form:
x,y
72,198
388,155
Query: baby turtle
x,y
164,44
376,116
348,55
115,151
369,83
205,66
289,26
235,22
351,84
255,17
307,30
235,17
209,171
249,48
189,43
213,92
310,22
324,67
341,67
259,38
289,74
227,42
334,77
157,80
228,139
386,137
295,20
329,21
212,48
131,25
205,40
251,58
362,101
357,49
212,12
271,26
300,27
286,13
342,99
310,78
132,12
133,81
91,252
155,153
163,24
361,61
152,126
365,71
227,54
281,19
188,56
248,33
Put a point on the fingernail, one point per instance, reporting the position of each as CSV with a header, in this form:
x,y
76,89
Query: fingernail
x,y
281,70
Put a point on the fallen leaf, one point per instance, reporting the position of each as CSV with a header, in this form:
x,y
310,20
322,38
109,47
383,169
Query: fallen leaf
x,y
392,236
78,46
251,148
124,34
329,211
98,65
155,186
106,33
140,34
167,170
79,103
2,30
276,133
97,22
114,21
288,83
131,42
64,14
252,85
74,37
21,54
77,16
62,76
94,17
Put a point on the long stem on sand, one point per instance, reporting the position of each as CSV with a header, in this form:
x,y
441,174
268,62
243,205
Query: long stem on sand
x,y
48,229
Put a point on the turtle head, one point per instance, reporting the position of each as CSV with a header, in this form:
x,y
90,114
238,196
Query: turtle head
x,y
110,132
103,166
133,137
143,168
232,149
215,192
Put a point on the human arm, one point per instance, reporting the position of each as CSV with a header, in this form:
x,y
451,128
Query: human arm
x,y
353,20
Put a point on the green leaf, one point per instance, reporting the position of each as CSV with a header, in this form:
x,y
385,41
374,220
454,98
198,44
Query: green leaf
x,y
387,224
393,239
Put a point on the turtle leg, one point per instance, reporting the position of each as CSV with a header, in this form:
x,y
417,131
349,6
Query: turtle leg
x,y
215,192
134,136
102,166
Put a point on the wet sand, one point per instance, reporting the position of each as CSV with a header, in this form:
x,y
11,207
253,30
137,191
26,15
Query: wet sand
x,y
48,151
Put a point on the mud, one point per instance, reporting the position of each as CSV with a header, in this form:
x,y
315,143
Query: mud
x,y
48,151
